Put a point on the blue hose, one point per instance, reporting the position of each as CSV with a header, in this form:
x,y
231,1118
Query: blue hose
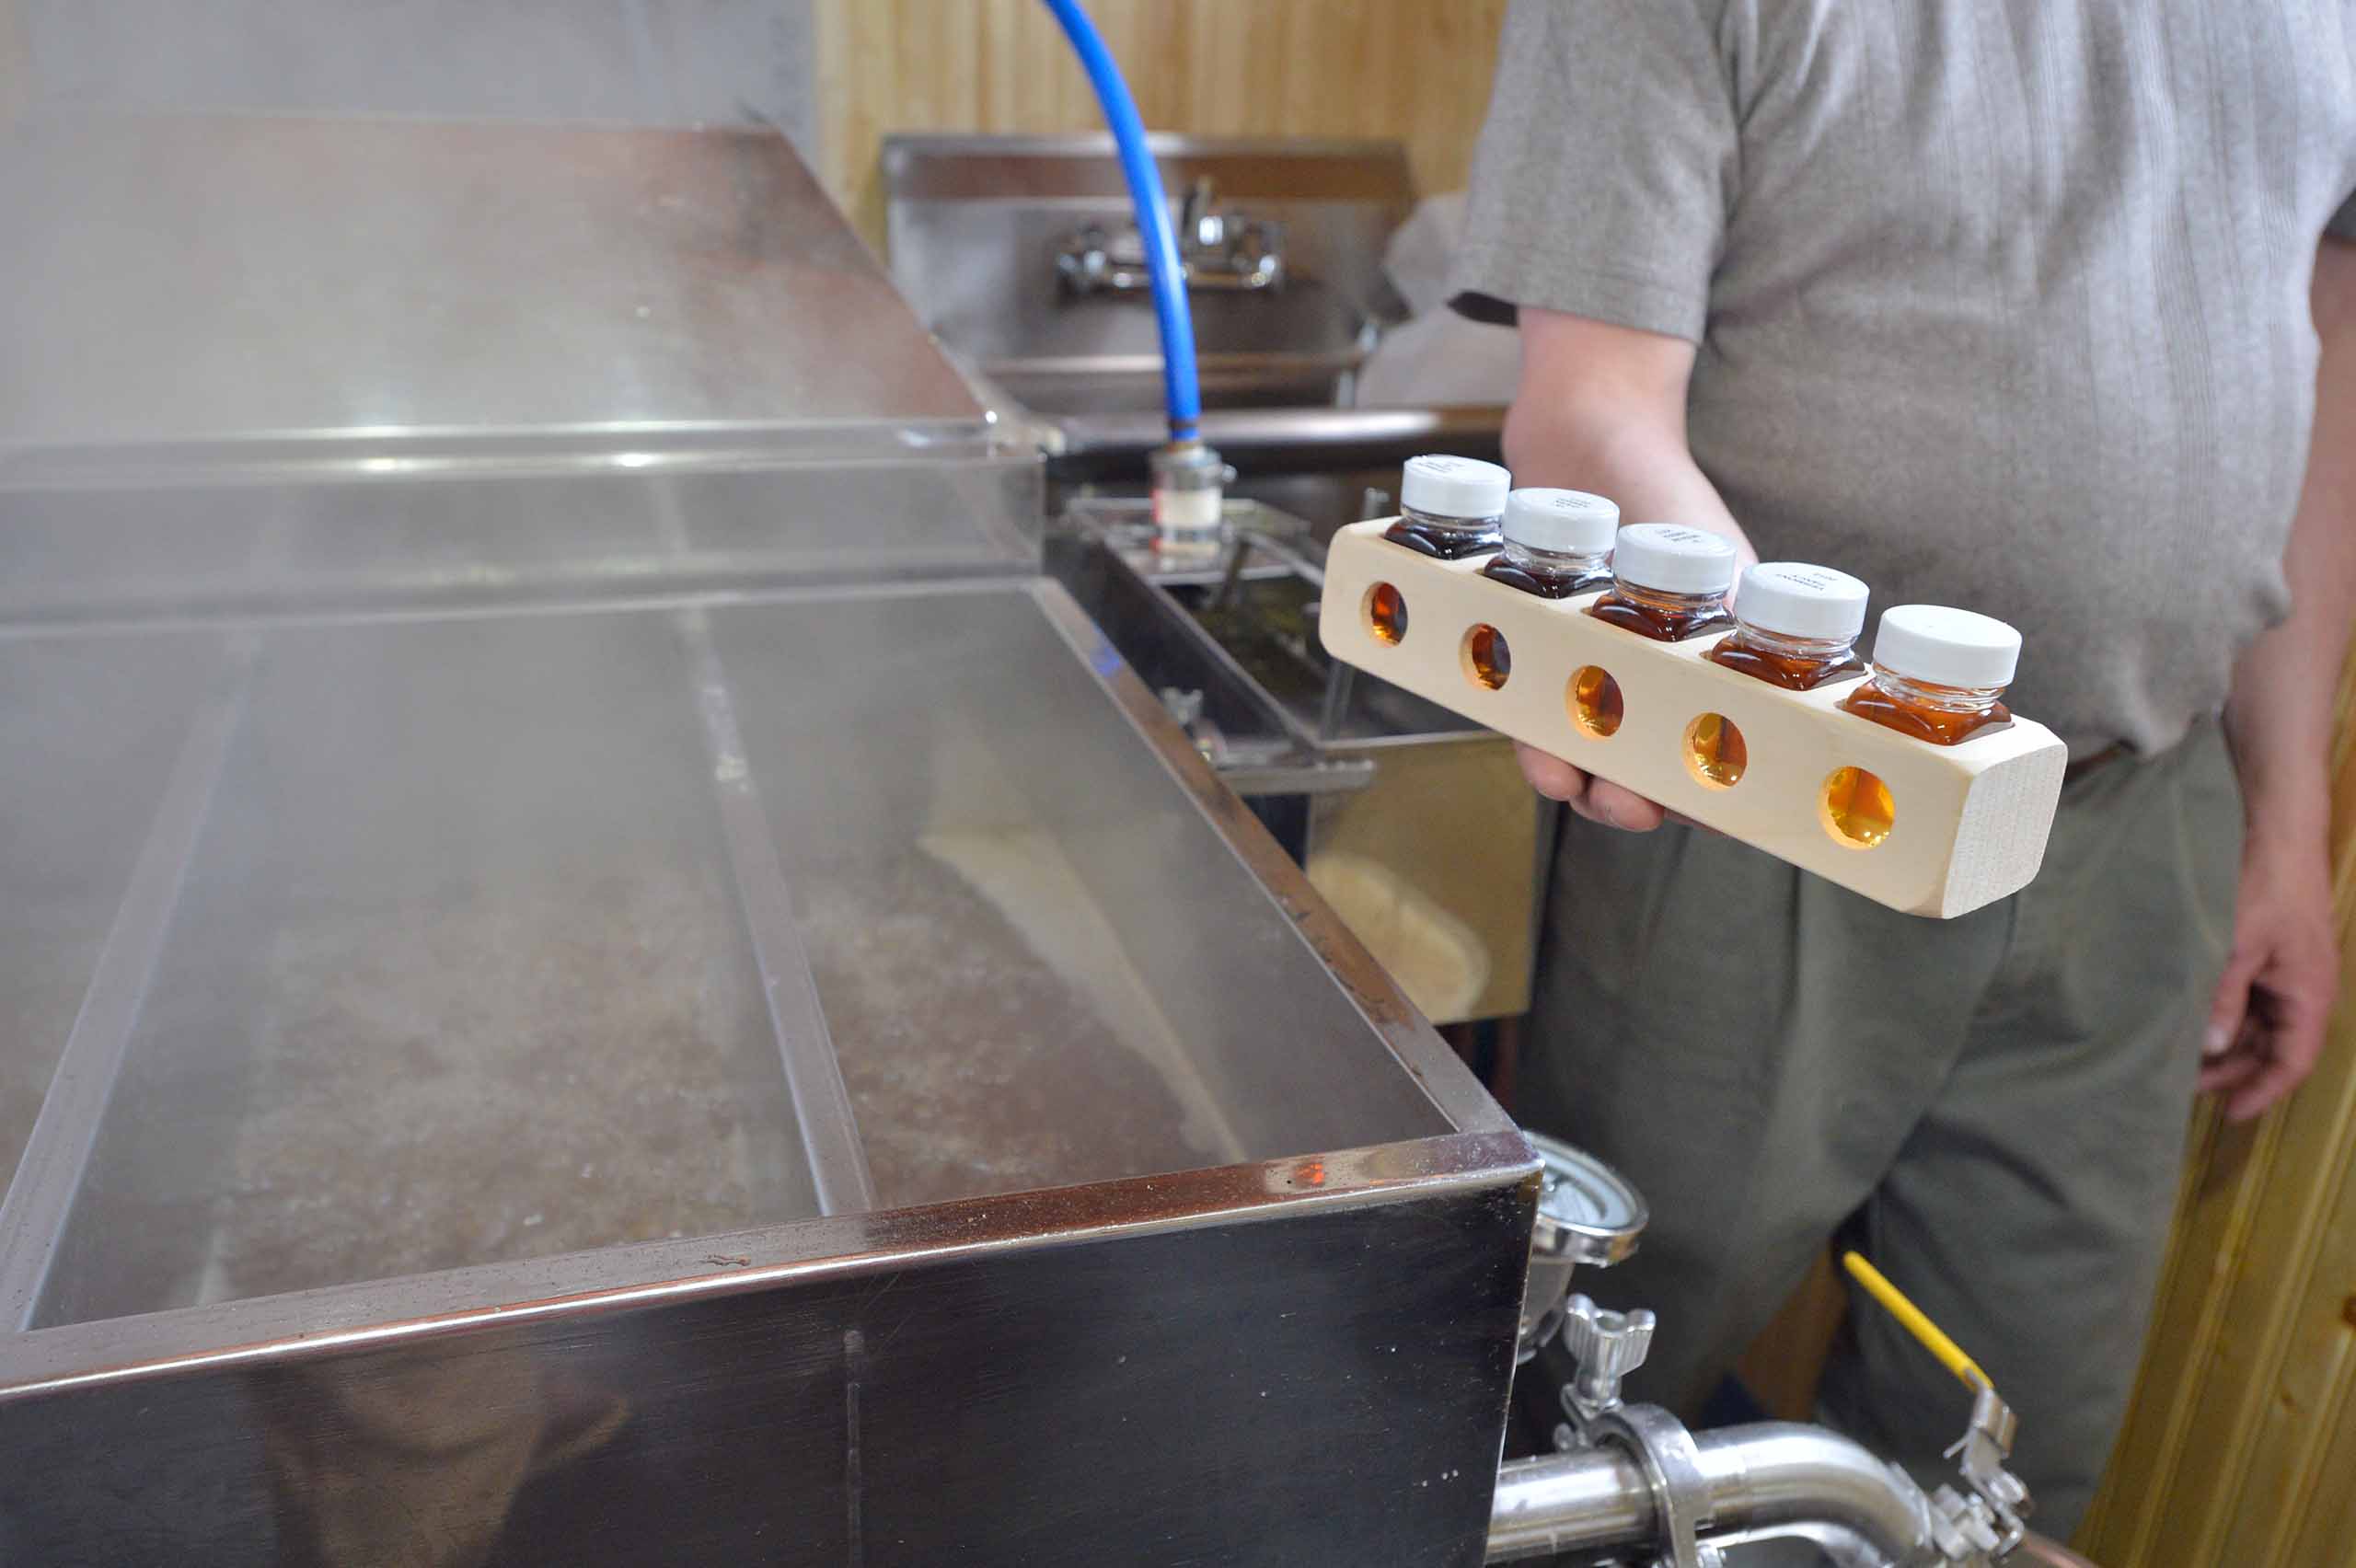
x,y
1179,392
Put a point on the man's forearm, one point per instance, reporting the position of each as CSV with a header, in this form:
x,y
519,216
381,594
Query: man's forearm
x,y
2279,715
1647,471
1601,408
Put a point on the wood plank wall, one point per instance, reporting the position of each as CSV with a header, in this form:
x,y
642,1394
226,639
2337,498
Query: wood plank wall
x,y
2241,1446
1414,71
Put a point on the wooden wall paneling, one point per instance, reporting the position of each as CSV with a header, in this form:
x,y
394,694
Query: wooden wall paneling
x,y
2213,1217
2330,1521
1409,70
2284,1335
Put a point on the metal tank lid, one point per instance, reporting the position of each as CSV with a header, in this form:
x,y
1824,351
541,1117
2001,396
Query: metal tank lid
x,y
200,281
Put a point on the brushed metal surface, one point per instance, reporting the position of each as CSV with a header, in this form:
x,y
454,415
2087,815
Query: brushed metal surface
x,y
57,1153
1098,445
1321,1386
1139,848
325,542
194,279
658,1401
823,1117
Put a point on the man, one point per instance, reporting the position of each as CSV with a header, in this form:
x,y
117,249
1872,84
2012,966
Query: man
x,y
2027,306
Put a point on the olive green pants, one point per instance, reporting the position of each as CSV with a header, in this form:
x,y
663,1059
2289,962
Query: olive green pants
x,y
1992,1108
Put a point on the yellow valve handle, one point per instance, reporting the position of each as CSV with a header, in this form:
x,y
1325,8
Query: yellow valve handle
x,y
1911,1319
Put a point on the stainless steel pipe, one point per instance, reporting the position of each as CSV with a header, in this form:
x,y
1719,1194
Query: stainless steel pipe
x,y
1781,1472
1753,1477
1596,1499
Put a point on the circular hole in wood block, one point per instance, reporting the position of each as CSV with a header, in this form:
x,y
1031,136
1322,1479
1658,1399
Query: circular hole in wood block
x,y
1858,810
1486,658
1595,704
1715,753
1386,613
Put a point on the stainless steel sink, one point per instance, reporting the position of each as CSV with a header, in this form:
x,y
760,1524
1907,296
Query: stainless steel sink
x,y
978,225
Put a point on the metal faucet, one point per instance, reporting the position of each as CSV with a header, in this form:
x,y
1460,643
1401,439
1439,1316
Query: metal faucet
x,y
1217,249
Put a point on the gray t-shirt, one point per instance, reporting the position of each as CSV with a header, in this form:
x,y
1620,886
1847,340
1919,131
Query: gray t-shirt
x,y
2000,302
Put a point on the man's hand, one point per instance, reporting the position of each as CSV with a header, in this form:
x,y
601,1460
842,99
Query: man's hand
x,y
1602,409
1598,800
2266,1027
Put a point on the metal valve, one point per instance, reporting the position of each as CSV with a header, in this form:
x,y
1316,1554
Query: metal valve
x,y
1986,1523
1606,1346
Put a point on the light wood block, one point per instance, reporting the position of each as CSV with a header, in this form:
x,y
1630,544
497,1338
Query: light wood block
x,y
1969,821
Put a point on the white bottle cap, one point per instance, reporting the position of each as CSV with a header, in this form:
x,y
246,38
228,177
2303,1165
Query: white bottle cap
x,y
1944,647
1454,487
1566,522
1792,598
1669,559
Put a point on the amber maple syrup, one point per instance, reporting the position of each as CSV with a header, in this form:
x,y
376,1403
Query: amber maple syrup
x,y
1555,543
1716,750
1546,583
1441,540
1667,583
1945,716
1647,617
1858,808
1597,706
1450,507
1939,673
1795,625
1804,672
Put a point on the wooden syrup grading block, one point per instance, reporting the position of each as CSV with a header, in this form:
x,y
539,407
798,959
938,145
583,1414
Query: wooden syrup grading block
x,y
1968,822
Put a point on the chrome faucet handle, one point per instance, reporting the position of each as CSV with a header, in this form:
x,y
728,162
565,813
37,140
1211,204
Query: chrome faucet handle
x,y
1606,1346
1201,226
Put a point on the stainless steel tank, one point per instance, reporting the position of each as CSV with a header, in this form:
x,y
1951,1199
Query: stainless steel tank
x,y
595,966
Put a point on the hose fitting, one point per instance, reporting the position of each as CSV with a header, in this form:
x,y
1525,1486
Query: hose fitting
x,y
1189,488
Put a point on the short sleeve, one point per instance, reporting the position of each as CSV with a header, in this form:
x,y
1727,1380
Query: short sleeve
x,y
1606,169
2343,222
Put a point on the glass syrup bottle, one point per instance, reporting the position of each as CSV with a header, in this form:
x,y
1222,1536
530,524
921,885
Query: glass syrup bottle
x,y
1795,625
1939,673
1450,507
1556,543
1668,583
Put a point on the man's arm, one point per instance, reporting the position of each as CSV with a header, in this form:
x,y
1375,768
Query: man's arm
x,y
1601,408
2267,1024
